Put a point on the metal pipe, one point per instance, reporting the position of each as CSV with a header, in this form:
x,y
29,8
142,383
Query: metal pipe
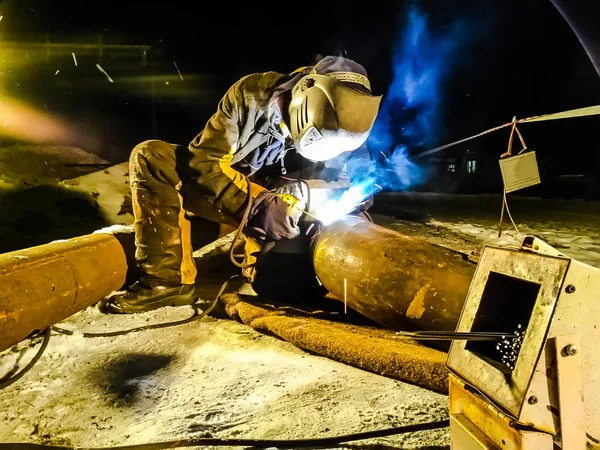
x,y
398,281
43,285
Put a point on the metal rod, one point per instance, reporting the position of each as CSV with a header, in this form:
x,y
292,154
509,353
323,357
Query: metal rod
x,y
453,336
311,215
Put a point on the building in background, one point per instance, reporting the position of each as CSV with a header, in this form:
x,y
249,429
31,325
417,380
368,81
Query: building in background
x,y
473,170
460,170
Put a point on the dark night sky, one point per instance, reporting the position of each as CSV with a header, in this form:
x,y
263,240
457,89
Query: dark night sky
x,y
516,57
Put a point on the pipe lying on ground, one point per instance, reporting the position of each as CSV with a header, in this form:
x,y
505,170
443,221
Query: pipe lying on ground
x,y
43,285
398,281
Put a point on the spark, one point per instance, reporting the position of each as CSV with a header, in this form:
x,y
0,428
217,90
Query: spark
x,y
383,154
178,71
56,73
310,228
509,348
74,59
99,67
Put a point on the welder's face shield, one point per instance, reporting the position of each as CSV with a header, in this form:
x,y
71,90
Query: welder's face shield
x,y
328,117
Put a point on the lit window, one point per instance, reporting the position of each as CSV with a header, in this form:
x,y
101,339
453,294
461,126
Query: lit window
x,y
451,167
471,166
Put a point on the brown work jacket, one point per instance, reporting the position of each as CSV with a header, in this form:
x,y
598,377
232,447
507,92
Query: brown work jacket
x,y
243,148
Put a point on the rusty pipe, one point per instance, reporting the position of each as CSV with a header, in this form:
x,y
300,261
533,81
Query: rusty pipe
x,y
40,286
398,281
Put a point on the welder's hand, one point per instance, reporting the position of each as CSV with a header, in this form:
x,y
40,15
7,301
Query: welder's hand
x,y
298,190
270,218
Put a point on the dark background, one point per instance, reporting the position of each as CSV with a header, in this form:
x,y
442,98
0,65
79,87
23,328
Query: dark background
x,y
499,59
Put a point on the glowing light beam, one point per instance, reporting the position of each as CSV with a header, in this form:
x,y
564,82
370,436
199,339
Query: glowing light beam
x,y
22,121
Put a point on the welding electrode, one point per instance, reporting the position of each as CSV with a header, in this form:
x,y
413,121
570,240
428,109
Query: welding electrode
x,y
293,203
454,335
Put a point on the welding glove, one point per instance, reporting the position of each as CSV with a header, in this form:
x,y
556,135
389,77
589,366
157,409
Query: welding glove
x,y
271,218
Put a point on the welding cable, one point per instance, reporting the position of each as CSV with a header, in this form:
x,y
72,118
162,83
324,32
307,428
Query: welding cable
x,y
238,233
13,379
197,315
259,443
305,184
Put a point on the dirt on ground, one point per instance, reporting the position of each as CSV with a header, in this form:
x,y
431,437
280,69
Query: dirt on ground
x,y
208,378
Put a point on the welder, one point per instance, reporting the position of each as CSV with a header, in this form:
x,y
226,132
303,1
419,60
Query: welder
x,y
271,132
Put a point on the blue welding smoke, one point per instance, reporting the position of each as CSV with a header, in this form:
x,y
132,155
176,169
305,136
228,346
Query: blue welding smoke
x,y
409,117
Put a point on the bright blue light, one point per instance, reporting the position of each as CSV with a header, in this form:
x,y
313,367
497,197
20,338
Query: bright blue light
x,y
409,115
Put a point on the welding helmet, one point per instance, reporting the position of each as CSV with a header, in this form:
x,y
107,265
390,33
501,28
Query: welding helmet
x,y
331,113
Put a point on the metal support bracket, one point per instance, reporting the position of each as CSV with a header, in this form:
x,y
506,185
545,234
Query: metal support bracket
x,y
570,392
535,244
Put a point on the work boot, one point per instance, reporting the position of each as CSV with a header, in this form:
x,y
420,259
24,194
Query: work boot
x,y
143,296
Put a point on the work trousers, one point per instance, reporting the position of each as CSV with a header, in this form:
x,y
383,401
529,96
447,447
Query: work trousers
x,y
163,237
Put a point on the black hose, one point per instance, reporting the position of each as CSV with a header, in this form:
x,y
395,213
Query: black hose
x,y
195,316
238,232
13,379
259,443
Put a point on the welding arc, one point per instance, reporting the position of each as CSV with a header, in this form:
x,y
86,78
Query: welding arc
x,y
260,443
453,335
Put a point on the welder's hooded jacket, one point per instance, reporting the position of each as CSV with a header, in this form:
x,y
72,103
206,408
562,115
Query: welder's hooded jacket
x,y
246,138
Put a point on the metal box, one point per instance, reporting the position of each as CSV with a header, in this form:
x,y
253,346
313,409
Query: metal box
x,y
553,303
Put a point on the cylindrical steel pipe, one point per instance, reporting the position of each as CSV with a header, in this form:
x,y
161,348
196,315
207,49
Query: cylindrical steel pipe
x,y
43,285
398,281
